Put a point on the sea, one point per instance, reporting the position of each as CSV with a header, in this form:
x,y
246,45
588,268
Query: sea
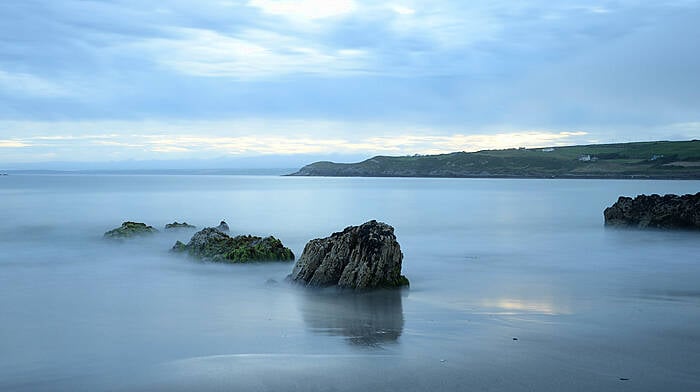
x,y
516,285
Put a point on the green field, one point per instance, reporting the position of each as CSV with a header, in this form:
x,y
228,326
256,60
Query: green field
x,y
657,160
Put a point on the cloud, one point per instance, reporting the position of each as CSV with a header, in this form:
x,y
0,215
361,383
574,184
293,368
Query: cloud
x,y
305,9
402,10
458,72
687,127
401,144
72,137
31,85
169,149
13,143
211,139
252,54
475,142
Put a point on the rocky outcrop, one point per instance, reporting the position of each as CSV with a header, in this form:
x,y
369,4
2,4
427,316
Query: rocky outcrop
x,y
176,226
360,257
654,211
212,244
223,226
130,229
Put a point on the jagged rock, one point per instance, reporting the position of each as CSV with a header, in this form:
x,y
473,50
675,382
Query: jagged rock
x,y
130,229
222,226
654,211
359,257
214,245
175,225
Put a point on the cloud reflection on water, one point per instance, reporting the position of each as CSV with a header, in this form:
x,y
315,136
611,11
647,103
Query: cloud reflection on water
x,y
520,305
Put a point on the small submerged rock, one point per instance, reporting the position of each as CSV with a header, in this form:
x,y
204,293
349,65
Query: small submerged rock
x,y
360,257
176,225
130,229
212,244
655,211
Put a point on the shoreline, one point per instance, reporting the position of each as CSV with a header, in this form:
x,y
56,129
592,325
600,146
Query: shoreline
x,y
562,177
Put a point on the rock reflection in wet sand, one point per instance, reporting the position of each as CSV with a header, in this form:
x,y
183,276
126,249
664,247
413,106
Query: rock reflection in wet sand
x,y
369,319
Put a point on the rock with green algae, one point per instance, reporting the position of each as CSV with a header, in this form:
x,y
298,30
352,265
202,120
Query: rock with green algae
x,y
214,245
130,229
176,225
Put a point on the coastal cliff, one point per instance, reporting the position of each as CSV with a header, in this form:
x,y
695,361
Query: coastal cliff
x,y
653,160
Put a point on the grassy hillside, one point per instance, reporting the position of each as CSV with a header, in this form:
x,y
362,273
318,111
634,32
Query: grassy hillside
x,y
661,159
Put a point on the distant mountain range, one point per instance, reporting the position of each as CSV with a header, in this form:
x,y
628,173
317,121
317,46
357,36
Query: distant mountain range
x,y
652,160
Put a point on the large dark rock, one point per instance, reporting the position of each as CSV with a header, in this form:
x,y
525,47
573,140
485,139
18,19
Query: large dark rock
x,y
130,229
359,257
654,211
223,226
214,245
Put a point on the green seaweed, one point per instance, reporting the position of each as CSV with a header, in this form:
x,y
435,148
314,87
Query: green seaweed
x,y
240,249
178,225
130,229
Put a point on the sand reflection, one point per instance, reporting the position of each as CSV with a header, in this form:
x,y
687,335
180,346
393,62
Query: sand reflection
x,y
364,319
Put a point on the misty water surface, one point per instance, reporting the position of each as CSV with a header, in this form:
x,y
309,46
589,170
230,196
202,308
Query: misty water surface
x,y
490,261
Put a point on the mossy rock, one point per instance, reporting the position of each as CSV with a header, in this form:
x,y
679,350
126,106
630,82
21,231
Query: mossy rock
x,y
176,225
179,247
402,281
214,245
130,229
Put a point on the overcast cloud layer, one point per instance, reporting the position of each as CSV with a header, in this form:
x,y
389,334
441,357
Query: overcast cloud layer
x,y
127,79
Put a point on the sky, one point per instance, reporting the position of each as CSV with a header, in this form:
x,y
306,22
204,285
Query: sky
x,y
184,81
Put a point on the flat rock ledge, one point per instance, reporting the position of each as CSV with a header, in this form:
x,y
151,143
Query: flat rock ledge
x,y
211,244
655,211
360,257
130,229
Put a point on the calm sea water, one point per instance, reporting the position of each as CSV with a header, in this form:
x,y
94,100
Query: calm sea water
x,y
490,261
